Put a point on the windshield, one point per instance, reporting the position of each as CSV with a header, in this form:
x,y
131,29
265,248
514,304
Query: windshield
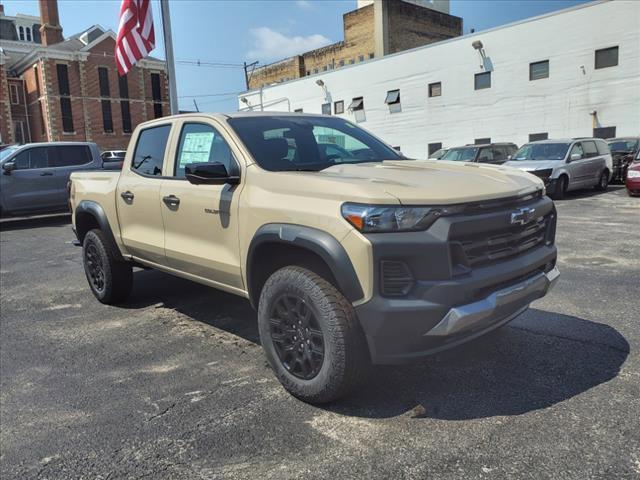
x,y
623,145
4,153
542,151
466,154
285,143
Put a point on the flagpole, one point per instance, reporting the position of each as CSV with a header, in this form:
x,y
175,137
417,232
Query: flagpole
x,y
168,52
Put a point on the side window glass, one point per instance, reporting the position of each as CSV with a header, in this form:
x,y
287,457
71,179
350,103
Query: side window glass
x,y
603,148
149,154
486,155
32,158
590,149
68,156
577,148
499,154
200,143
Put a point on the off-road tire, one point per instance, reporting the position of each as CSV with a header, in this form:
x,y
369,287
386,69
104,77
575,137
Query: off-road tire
x,y
603,181
117,276
346,357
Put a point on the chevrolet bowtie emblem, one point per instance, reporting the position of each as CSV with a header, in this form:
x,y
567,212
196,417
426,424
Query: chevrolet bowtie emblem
x,y
522,216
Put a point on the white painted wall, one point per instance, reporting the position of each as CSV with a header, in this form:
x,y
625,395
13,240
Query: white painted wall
x,y
513,107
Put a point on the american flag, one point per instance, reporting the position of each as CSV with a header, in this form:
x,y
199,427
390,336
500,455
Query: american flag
x,y
136,37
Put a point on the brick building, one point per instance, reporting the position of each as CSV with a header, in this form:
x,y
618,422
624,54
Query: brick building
x,y
376,28
57,89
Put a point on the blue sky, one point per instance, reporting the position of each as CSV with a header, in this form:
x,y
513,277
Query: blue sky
x,y
234,31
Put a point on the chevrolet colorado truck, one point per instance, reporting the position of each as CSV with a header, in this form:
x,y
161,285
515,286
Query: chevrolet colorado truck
x,y
352,255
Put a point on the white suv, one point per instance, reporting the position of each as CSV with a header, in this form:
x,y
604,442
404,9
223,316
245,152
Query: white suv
x,y
566,164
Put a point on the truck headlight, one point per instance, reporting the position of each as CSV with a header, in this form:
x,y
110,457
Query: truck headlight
x,y
376,218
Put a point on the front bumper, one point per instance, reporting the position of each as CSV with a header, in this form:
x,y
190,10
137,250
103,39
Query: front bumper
x,y
448,303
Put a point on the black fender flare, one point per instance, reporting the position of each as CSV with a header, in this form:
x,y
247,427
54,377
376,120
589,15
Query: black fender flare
x,y
89,207
316,241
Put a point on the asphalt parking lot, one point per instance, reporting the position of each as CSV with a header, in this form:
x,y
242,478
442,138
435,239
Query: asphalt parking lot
x,y
174,385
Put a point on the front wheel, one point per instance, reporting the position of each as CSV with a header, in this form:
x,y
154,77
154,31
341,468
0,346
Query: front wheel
x,y
110,280
603,181
561,188
311,336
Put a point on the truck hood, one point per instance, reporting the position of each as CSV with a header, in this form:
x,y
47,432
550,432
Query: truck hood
x,y
531,165
418,182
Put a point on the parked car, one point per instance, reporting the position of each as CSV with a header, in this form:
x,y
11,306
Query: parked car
x,y
34,176
113,159
623,151
632,181
496,153
438,154
347,263
566,164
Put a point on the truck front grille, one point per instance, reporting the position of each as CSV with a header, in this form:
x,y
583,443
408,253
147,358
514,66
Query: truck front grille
x,y
491,246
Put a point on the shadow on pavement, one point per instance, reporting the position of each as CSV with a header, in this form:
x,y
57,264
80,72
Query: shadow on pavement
x,y
204,304
25,223
540,359
591,192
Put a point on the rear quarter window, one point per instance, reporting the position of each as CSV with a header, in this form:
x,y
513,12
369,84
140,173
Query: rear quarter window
x,y
150,148
603,148
69,155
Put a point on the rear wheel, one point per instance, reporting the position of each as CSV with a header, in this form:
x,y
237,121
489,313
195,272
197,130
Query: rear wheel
x,y
311,336
603,181
110,280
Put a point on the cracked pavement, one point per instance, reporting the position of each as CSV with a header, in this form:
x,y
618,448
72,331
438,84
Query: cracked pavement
x,y
175,385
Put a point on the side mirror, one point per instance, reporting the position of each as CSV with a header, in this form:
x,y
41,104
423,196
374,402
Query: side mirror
x,y
574,157
8,167
213,173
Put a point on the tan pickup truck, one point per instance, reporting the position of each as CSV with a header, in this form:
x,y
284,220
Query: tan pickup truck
x,y
351,253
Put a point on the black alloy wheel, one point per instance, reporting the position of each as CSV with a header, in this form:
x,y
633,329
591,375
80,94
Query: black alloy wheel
x,y
95,267
296,336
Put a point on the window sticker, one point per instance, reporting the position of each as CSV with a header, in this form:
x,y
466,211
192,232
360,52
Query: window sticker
x,y
196,148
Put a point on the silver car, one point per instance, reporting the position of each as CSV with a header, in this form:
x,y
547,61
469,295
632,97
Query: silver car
x,y
33,177
567,164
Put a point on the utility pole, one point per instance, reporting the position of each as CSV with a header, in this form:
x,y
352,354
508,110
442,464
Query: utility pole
x,y
247,76
168,51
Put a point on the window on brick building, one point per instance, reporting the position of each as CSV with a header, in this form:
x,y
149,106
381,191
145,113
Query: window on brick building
x,y
13,93
156,94
28,32
341,63
361,58
103,81
123,86
107,120
21,33
371,55
63,79
66,114
125,110
126,116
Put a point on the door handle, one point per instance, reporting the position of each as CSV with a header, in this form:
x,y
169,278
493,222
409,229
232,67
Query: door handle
x,y
171,200
46,174
127,196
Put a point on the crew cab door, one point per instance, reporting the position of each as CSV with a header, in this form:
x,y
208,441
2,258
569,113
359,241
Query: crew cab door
x,y
201,221
578,169
594,164
138,196
32,185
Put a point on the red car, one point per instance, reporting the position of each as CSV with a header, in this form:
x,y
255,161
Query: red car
x,y
633,178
